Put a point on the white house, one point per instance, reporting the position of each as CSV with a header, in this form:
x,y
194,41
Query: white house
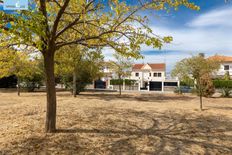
x,y
152,76
225,65
107,74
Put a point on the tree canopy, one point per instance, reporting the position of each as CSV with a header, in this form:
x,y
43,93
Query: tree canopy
x,y
119,25
121,66
80,63
49,25
200,70
20,64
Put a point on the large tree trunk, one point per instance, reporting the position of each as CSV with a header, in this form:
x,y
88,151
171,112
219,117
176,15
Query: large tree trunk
x,y
74,84
18,86
50,125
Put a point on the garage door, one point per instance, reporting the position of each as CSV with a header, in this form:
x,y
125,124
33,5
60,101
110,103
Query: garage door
x,y
100,84
155,86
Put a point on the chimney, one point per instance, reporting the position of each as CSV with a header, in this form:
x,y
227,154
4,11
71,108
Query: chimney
x,y
202,55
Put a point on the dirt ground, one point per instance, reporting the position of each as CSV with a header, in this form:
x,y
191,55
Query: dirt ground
x,y
96,123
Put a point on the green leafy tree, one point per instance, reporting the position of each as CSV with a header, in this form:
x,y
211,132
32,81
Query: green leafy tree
x,y
81,63
121,66
200,70
36,78
47,26
16,63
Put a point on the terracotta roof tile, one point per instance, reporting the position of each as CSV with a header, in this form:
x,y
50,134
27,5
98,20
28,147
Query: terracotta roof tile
x,y
137,66
154,66
221,58
157,66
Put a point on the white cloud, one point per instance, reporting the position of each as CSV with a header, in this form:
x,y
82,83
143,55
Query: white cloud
x,y
217,17
209,33
196,39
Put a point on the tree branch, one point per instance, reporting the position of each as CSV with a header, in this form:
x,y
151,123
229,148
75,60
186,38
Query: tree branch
x,y
58,17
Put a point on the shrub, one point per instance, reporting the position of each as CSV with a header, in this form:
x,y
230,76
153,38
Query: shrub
x,y
178,90
226,92
222,84
116,82
120,81
225,87
129,82
187,82
30,84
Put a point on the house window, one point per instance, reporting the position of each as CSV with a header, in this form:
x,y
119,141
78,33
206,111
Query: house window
x,y
136,74
157,74
226,67
150,74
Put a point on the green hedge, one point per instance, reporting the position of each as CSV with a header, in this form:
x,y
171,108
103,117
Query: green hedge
x,y
222,83
118,81
187,82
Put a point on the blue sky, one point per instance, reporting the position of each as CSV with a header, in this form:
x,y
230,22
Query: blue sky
x,y
13,4
208,30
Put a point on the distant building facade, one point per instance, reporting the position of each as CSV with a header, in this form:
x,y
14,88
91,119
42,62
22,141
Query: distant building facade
x,y
152,77
225,65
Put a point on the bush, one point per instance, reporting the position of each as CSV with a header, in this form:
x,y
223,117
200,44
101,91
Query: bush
x,y
187,82
222,84
30,84
178,90
226,92
83,78
225,87
129,82
118,81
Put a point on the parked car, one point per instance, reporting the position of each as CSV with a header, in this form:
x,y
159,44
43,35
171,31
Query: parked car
x,y
183,89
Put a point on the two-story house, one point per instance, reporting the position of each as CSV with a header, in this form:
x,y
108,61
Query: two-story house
x,y
152,76
225,65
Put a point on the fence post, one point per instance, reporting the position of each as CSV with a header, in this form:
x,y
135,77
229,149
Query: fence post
x,y
162,86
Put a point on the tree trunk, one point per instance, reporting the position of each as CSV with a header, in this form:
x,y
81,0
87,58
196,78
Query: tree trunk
x,y
201,102
120,86
50,125
74,84
200,94
18,88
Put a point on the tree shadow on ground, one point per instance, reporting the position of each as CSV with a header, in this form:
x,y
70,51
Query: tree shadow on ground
x,y
139,97
125,131
220,107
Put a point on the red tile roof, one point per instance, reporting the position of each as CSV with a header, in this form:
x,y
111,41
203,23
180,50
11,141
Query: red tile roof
x,y
159,66
154,66
221,58
137,66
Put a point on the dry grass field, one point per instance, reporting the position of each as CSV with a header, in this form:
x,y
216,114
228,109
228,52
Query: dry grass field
x,y
95,123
